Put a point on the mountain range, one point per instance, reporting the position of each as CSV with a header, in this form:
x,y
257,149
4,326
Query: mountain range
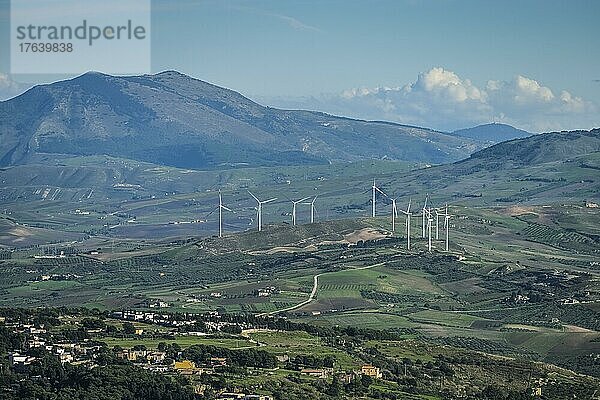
x,y
172,119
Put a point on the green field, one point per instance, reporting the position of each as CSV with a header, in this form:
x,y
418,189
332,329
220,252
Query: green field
x,y
184,342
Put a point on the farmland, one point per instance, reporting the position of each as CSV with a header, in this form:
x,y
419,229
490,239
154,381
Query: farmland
x,y
512,283
520,279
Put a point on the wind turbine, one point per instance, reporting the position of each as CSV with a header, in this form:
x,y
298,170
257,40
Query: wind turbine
x,y
221,207
375,189
294,203
429,221
259,208
408,215
394,215
437,224
312,209
424,212
447,226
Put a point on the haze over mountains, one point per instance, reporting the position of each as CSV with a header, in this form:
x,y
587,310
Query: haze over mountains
x,y
172,119
492,133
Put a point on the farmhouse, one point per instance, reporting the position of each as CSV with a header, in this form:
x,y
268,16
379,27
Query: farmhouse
x,y
187,367
317,373
371,371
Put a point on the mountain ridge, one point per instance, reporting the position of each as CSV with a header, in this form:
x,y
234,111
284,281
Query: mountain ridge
x,y
173,119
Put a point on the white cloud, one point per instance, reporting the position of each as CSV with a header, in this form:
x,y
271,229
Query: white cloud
x,y
292,22
295,23
9,88
443,100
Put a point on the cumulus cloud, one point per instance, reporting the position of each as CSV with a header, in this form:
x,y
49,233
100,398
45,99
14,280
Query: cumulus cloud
x,y
443,100
9,88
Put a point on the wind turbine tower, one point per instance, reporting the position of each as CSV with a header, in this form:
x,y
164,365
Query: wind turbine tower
x,y
374,188
394,215
429,222
408,215
437,224
447,225
221,208
424,212
312,209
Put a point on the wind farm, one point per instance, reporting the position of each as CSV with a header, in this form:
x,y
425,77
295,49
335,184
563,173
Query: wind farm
x,y
427,216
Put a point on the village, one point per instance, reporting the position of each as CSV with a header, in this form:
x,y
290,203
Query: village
x,y
86,346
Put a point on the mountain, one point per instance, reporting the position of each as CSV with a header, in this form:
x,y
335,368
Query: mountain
x,y
538,149
173,119
492,133
558,167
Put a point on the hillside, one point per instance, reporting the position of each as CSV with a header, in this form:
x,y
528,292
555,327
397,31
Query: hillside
x,y
492,133
539,149
173,119
131,199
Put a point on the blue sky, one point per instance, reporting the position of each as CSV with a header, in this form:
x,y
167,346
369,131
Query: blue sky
x,y
308,53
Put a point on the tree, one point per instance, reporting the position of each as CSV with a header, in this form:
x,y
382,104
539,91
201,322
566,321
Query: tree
x,y
111,329
93,323
128,328
335,389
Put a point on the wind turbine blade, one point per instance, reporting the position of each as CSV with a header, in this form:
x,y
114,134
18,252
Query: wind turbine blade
x,y
270,200
408,208
380,191
210,213
304,199
255,198
227,208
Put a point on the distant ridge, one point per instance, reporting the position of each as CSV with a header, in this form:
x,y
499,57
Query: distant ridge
x,y
539,149
492,133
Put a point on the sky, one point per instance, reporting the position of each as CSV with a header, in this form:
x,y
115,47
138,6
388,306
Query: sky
x,y
444,64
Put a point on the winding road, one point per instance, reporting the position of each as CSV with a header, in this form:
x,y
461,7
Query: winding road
x,y
313,293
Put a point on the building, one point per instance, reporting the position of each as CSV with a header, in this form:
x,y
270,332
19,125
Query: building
x,y
218,361
66,358
283,358
346,377
231,396
317,373
186,367
132,355
18,360
156,356
371,371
